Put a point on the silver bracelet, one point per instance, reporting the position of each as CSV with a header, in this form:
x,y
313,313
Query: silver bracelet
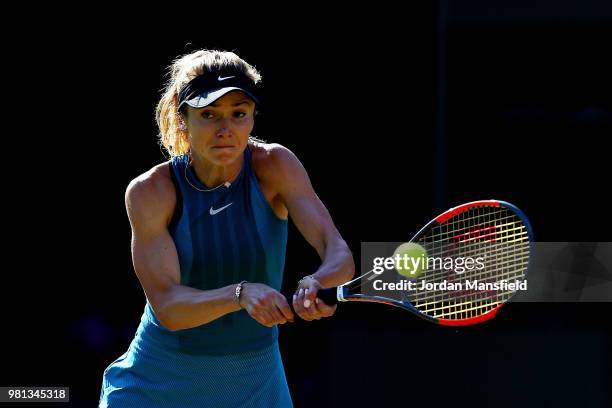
x,y
237,292
304,278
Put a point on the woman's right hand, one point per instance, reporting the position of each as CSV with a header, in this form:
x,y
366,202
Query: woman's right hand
x,y
265,304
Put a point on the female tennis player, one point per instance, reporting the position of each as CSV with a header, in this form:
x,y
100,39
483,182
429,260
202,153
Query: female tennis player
x,y
209,233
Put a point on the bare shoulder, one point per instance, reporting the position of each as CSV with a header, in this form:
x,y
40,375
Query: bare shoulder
x,y
273,160
151,196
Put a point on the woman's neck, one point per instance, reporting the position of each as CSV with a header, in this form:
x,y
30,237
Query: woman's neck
x,y
212,175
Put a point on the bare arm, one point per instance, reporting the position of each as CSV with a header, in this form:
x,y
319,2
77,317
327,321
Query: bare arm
x,y
312,219
150,201
314,222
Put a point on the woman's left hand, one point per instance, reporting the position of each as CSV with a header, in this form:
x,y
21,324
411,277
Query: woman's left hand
x,y
307,305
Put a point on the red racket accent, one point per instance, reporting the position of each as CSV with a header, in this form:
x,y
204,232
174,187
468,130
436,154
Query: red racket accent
x,y
464,207
486,233
470,321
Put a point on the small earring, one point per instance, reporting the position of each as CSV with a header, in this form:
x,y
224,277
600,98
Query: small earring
x,y
182,126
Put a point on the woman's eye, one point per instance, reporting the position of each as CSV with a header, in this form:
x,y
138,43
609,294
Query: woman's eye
x,y
207,115
239,114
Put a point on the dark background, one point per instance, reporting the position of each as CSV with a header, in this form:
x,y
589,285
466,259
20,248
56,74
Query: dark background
x,y
396,116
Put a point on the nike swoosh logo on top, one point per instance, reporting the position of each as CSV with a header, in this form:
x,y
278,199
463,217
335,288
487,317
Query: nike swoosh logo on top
x,y
213,212
220,78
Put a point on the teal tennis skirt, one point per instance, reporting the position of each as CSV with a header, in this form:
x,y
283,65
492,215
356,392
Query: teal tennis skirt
x,y
150,375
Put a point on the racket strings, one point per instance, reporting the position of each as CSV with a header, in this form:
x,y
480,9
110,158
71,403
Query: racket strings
x,y
443,231
519,246
492,254
446,248
464,310
514,269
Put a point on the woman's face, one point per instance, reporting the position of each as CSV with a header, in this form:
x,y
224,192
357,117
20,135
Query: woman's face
x,y
219,132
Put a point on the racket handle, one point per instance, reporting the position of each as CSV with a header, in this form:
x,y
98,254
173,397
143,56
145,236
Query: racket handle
x,y
328,296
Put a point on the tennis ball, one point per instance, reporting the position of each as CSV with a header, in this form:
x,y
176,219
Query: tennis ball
x,y
410,259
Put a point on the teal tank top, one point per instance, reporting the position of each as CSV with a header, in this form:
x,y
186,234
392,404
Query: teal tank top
x,y
222,237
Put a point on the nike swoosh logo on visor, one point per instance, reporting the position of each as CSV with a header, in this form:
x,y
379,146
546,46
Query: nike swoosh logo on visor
x,y
220,78
213,211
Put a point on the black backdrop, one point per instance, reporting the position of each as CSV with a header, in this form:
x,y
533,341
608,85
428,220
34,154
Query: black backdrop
x,y
395,118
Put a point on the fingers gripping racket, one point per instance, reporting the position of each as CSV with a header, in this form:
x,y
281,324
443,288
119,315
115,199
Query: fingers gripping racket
x,y
494,231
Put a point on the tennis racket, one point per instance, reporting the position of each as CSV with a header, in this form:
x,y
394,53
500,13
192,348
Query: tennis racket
x,y
495,232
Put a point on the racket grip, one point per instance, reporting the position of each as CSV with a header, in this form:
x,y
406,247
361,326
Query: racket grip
x,y
328,296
